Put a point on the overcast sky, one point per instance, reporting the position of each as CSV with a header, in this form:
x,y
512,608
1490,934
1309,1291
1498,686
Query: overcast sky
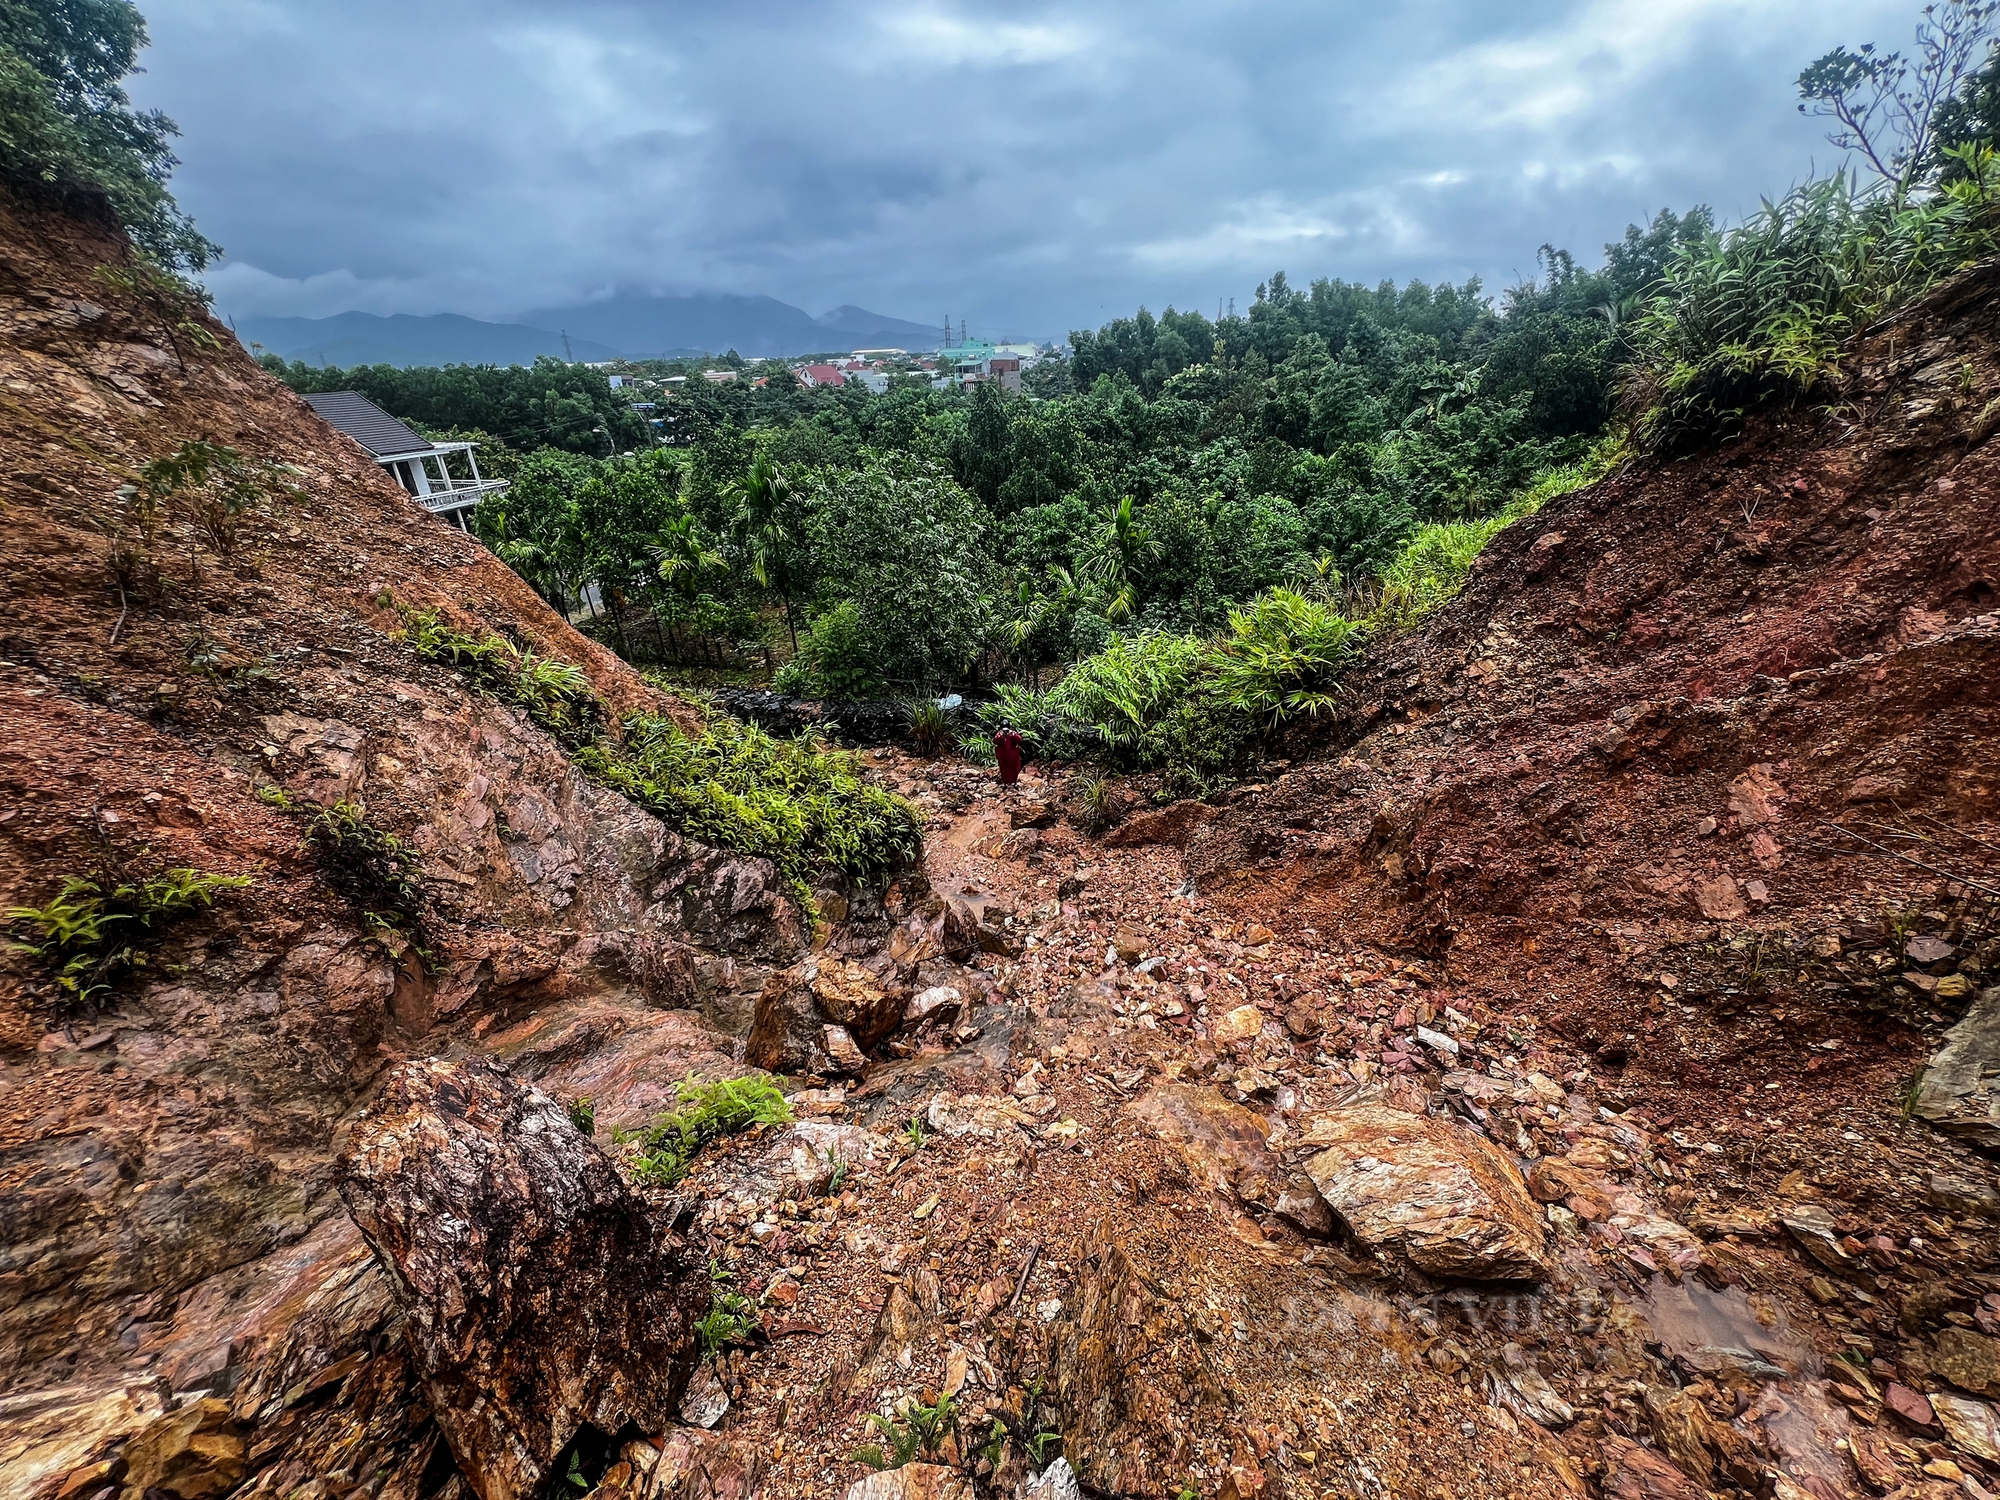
x,y
1029,169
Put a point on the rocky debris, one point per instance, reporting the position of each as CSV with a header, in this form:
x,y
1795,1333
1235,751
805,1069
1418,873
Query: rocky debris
x,y
1226,1147
705,1402
1429,1190
1963,1195
1056,1482
538,1294
1959,1092
1706,1448
1815,1232
1636,1473
685,1463
1972,1426
913,1482
193,1453
1518,1386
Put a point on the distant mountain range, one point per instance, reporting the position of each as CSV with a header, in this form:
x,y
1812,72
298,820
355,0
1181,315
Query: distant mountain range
x,y
358,338
631,326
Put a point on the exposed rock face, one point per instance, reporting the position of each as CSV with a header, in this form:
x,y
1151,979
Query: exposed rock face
x,y
1427,1189
1127,1371
913,1482
538,1294
1225,1145
1957,1092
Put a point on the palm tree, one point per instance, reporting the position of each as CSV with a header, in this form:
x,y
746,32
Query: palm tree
x,y
1117,553
681,556
766,527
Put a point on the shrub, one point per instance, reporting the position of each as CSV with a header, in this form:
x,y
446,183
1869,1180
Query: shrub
x,y
1758,316
1282,656
99,926
728,1106
806,810
930,727
914,1430
729,1317
835,659
1127,688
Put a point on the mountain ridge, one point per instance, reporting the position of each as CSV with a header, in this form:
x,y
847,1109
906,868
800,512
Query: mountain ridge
x,y
629,326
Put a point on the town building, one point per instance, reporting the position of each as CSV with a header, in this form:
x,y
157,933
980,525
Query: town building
x,y
420,466
818,375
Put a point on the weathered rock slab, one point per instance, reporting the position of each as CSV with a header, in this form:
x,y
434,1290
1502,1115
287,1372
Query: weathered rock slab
x,y
1958,1092
538,1294
1429,1190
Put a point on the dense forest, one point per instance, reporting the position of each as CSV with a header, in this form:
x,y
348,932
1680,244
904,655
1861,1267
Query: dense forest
x,y
1169,542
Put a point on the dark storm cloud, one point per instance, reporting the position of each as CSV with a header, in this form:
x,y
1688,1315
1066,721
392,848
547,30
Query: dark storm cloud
x,y
1029,169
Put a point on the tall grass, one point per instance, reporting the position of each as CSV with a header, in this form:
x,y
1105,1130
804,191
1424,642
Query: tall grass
x,y
1758,316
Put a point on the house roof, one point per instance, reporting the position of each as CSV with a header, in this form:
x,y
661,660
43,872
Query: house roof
x,y
370,426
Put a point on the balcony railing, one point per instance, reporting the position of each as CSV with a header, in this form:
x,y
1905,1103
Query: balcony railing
x,y
461,494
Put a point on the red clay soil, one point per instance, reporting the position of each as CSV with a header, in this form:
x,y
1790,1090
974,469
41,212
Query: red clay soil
x,y
1695,753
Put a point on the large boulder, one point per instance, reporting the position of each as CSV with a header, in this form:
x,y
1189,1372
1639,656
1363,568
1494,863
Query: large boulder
x,y
539,1295
815,1016
1430,1190
1957,1093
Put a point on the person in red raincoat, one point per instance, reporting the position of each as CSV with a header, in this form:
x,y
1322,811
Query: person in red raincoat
x,y
1007,750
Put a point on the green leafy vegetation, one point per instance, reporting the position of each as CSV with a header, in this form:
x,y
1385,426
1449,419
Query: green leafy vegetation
x,y
554,694
67,128
583,1114
730,1315
915,1430
375,870
708,1111
805,809
99,927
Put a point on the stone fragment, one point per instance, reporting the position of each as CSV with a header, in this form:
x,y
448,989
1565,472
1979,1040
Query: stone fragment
x,y
1972,1426
538,1293
1224,1146
1959,1092
1636,1473
943,1001
705,1402
1127,1368
1430,1190
843,1058
1970,1361
191,1454
1129,943
1056,1482
1719,899
48,1433
1242,1024
1302,1020
1811,1227
1910,1405
1516,1384
1927,950
852,997
913,1482
692,1464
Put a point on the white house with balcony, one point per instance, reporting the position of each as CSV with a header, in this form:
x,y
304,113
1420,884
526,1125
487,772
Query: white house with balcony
x,y
420,466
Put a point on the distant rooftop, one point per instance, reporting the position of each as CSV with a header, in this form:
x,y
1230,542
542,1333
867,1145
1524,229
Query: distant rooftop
x,y
370,426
